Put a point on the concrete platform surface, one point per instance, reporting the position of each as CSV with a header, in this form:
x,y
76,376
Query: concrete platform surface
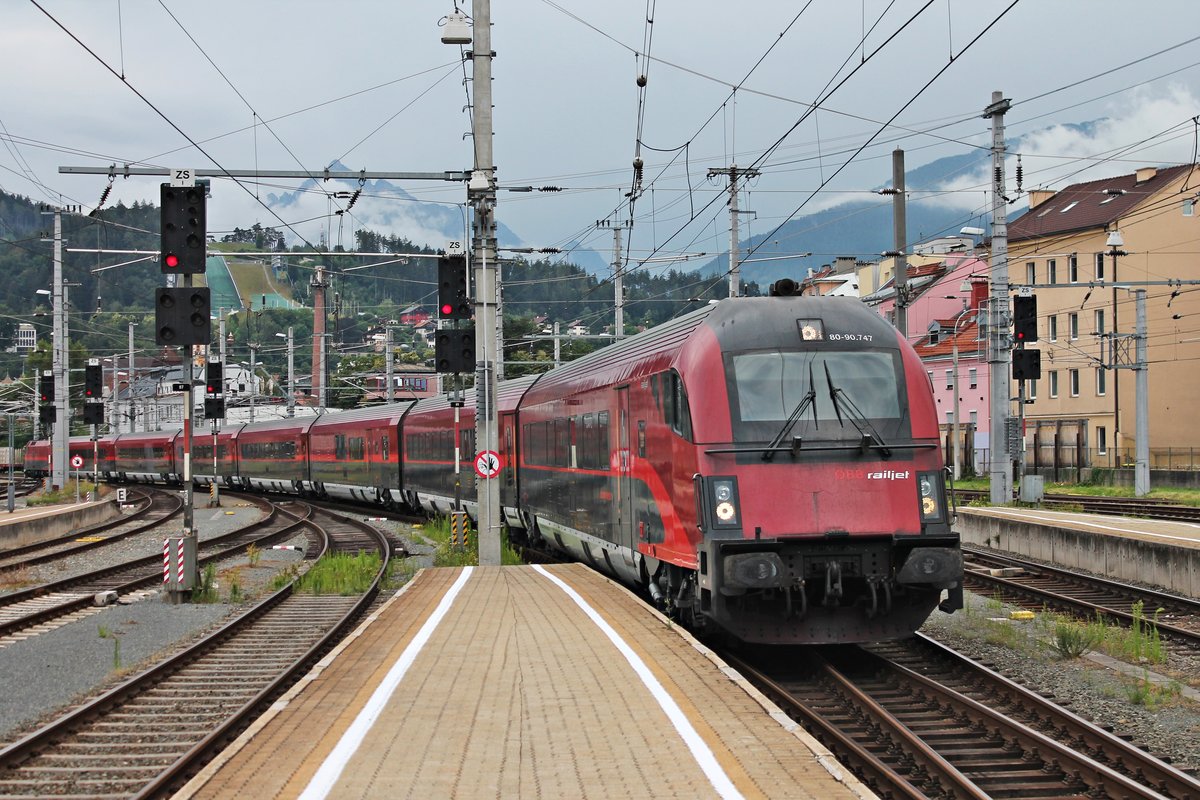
x,y
522,682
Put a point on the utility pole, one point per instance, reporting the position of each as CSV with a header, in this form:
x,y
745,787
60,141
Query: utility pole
x,y
999,345
734,173
62,406
291,401
481,191
618,275
900,238
1141,474
253,364
129,379
389,363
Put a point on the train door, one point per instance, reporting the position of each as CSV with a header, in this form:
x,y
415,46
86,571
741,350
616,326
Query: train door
x,y
622,465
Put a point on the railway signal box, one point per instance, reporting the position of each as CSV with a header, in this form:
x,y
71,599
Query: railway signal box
x,y
183,221
93,381
46,388
454,350
46,414
93,413
214,408
1026,365
1025,319
453,302
182,316
214,378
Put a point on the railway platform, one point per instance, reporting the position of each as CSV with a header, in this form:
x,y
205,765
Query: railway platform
x,y
27,525
523,682
1159,552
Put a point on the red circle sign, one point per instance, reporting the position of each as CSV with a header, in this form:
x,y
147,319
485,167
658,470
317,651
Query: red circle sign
x,y
488,464
76,461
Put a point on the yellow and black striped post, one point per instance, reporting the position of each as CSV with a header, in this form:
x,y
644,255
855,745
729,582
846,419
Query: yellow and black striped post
x,y
459,528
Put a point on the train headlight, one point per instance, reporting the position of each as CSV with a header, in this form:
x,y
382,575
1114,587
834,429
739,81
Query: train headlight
x,y
932,496
726,513
754,571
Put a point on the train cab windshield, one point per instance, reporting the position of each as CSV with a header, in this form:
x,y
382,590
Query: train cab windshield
x,y
821,396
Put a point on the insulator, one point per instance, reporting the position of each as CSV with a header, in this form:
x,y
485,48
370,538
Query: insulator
x,y
998,176
1020,173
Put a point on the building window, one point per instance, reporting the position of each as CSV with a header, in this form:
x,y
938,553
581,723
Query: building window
x,y
1099,266
949,379
1073,378
1030,272
975,419
1052,327
1101,381
973,377
1101,439
1073,324
1053,382
1031,390
1073,268
1051,271
1189,207
949,417
1099,320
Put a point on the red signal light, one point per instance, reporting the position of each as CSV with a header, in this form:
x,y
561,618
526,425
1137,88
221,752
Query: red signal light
x,y
171,260
447,309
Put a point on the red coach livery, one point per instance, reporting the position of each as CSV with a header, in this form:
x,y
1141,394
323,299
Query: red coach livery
x,y
767,468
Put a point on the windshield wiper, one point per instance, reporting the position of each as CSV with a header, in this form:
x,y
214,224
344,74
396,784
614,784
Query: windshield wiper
x,y
808,401
837,396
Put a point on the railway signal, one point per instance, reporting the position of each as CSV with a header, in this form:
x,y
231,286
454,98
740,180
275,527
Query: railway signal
x,y
93,413
46,388
183,220
454,350
453,302
214,373
182,316
1027,365
93,381
1025,319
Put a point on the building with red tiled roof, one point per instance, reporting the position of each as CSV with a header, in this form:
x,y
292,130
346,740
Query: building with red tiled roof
x,y
1084,286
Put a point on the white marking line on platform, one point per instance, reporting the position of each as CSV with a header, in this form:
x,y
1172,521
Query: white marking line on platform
x,y
1044,519
700,751
326,777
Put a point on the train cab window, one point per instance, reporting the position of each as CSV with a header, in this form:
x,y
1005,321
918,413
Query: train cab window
x,y
765,387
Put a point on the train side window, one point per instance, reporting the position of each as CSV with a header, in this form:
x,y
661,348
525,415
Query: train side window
x,y
641,440
679,416
602,446
356,448
561,444
587,455
383,447
572,438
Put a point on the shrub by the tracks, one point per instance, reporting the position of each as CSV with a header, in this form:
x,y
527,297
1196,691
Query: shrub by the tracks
x,y
462,555
1072,640
342,574
206,591
60,496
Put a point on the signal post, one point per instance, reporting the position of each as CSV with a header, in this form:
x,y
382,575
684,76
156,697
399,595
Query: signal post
x,y
182,318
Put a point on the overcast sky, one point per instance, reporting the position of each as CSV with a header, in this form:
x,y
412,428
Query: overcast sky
x,y
302,84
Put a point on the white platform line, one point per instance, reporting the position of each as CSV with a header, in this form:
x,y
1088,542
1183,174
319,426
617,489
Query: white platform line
x,y
700,751
323,781
1045,520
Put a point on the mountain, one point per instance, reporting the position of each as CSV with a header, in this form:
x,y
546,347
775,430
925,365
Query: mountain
x,y
386,206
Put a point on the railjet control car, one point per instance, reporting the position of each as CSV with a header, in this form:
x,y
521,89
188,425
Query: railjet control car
x,y
768,468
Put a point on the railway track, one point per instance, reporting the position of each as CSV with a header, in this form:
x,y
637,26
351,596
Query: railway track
x,y
1148,508
915,719
149,735
57,600
1037,586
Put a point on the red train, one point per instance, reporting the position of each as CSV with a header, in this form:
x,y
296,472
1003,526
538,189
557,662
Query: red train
x,y
764,467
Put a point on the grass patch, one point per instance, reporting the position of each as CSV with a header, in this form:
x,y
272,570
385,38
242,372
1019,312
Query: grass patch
x,y
1072,640
437,530
1190,497
60,496
206,590
1152,695
341,574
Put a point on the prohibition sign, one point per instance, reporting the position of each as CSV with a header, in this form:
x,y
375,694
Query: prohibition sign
x,y
76,461
488,464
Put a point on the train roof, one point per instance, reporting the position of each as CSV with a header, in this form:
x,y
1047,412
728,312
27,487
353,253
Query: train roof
x,y
386,414
508,396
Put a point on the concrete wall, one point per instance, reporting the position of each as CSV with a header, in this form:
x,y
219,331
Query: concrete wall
x,y
1176,569
30,530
